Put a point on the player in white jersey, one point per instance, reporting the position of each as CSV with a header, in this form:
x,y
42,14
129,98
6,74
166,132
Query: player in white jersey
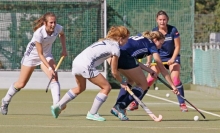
x,y
93,56
84,67
38,52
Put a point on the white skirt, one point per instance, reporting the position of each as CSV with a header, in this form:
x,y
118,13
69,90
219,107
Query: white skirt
x,y
79,69
34,61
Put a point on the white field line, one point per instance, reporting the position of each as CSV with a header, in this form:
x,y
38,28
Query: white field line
x,y
178,104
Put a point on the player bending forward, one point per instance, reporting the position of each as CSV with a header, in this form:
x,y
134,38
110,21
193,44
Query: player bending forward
x,y
84,67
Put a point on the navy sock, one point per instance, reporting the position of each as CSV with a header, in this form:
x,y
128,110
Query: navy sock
x,y
181,91
142,96
128,99
122,94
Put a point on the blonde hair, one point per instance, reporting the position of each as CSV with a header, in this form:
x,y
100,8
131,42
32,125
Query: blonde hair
x,y
153,35
117,31
40,21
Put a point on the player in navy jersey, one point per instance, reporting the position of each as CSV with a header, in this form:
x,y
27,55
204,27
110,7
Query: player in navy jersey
x,y
138,47
169,52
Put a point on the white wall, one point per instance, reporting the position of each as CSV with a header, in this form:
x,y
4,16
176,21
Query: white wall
x,y
39,80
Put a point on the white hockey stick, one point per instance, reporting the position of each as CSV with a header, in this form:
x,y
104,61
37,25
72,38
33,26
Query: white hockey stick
x,y
147,110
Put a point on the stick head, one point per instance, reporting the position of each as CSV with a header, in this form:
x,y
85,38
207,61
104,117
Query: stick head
x,y
157,119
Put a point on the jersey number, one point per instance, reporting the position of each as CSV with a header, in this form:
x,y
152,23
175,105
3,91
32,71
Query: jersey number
x,y
136,37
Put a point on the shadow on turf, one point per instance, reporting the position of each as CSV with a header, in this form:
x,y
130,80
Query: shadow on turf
x,y
84,115
147,118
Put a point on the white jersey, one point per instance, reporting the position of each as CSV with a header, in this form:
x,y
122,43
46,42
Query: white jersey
x,y
41,36
31,57
94,55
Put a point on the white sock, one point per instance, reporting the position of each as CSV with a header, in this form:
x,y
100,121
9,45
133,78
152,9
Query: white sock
x,y
98,101
66,98
55,91
11,92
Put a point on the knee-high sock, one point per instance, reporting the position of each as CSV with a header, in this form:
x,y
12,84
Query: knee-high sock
x,y
55,91
181,91
122,94
98,101
66,98
142,96
128,99
11,92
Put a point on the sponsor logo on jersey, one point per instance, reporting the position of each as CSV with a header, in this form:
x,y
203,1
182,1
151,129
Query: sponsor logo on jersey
x,y
168,38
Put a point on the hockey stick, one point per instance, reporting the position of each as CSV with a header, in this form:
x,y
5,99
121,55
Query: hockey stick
x,y
181,97
154,64
58,65
157,119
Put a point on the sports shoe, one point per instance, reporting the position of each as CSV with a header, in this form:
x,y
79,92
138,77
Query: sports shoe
x,y
4,107
132,106
55,110
183,107
95,117
121,113
114,112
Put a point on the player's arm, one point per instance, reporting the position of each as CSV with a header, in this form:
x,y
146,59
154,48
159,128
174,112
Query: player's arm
x,y
149,59
114,68
176,36
63,42
41,55
177,48
149,70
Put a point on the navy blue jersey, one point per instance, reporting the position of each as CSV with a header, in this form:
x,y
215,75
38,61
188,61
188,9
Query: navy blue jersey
x,y
168,46
139,47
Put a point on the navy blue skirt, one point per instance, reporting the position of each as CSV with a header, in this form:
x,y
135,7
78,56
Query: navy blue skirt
x,y
126,61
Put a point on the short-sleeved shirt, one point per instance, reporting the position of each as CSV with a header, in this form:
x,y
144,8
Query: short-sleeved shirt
x,y
41,36
97,53
168,46
139,47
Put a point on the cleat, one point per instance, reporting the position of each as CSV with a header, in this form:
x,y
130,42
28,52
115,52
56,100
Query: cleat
x,y
95,117
183,107
121,113
133,106
55,110
4,107
114,112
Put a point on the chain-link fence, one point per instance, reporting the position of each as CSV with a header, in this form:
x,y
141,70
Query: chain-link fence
x,y
83,24
140,15
82,21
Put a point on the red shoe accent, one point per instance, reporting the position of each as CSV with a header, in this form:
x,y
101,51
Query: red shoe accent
x,y
183,107
133,106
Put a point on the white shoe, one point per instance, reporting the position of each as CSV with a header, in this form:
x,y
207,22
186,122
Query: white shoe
x,y
4,107
95,117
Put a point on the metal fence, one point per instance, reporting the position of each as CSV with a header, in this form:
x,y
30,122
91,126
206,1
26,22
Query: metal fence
x,y
82,21
140,15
